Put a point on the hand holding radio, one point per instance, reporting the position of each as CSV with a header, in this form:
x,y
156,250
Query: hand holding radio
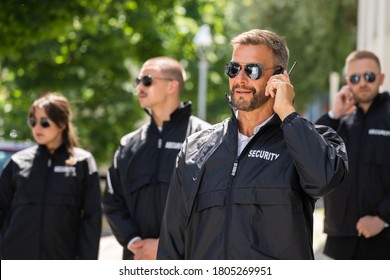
x,y
280,88
344,102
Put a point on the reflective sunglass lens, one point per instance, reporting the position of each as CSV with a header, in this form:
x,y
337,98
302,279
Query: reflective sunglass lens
x,y
354,79
232,69
44,123
146,81
253,71
32,122
369,77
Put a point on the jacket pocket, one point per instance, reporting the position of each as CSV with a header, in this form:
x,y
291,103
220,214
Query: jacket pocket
x,y
136,184
210,200
261,196
263,213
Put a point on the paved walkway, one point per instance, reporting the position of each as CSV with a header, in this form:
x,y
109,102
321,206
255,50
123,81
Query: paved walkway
x,y
111,250
319,236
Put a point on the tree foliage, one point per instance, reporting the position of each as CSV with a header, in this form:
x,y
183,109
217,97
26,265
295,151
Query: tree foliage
x,y
91,51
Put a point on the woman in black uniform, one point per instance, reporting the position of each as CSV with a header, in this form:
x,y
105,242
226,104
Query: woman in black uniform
x,y
49,193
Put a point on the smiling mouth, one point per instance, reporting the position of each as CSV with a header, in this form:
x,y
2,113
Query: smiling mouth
x,y
243,91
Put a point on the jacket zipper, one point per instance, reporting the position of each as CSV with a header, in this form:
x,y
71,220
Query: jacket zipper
x,y
43,208
159,148
362,140
228,206
229,193
234,169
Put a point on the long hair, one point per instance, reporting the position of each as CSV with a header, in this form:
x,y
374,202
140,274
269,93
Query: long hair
x,y
58,110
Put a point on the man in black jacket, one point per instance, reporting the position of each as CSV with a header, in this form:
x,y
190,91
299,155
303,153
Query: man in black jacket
x,y
357,214
246,188
138,179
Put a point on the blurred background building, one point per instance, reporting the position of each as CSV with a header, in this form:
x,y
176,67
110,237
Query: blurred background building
x,y
374,32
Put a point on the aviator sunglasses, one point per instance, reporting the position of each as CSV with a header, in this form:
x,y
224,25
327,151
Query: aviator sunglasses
x,y
147,80
44,122
252,70
368,76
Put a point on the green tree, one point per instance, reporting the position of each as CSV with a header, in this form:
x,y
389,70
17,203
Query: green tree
x,y
91,51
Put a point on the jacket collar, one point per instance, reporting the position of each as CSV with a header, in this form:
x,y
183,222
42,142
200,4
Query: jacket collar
x,y
42,150
378,101
184,111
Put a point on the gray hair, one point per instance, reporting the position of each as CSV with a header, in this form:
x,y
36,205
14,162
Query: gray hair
x,y
268,38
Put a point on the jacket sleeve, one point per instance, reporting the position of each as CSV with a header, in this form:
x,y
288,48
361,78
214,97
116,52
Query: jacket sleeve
x,y
171,244
319,155
7,190
91,221
328,121
115,208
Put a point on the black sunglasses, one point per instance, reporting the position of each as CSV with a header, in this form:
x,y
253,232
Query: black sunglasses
x,y
44,122
147,80
368,76
253,70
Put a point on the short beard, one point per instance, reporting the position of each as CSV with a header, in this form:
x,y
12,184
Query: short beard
x,y
258,100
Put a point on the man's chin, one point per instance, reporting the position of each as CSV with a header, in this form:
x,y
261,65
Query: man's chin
x,y
251,105
143,105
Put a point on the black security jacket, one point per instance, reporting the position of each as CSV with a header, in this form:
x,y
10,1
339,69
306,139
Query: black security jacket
x,y
138,179
255,206
50,210
366,190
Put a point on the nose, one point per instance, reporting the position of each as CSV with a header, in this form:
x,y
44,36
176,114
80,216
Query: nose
x,y
362,81
139,87
242,77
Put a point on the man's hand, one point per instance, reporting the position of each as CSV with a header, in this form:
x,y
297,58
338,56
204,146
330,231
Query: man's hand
x,y
145,249
344,102
369,226
280,88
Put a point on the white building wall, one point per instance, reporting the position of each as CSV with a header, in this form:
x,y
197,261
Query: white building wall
x,y
374,32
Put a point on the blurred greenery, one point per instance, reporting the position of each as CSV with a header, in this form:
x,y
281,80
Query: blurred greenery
x,y
91,51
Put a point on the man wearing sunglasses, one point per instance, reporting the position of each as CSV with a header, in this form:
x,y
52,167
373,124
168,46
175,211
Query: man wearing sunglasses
x,y
246,188
138,179
358,212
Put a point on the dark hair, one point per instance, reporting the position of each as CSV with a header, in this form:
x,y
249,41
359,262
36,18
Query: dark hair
x,y
268,38
58,110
